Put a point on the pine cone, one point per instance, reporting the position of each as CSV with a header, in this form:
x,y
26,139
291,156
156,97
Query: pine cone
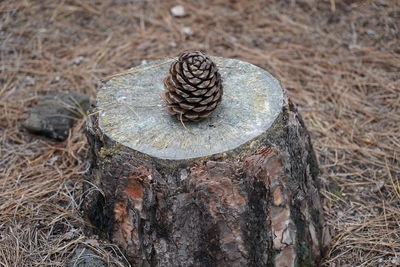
x,y
193,87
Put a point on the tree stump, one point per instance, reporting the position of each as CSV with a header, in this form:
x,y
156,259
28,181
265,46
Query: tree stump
x,y
236,189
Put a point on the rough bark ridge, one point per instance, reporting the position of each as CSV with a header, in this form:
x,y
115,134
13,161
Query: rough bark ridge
x,y
259,208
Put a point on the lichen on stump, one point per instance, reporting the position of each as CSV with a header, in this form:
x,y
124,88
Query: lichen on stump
x,y
236,189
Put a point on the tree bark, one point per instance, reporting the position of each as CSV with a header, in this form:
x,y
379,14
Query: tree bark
x,y
254,205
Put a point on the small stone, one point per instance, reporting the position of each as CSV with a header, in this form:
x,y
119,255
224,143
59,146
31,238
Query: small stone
x,y
78,60
70,234
378,186
54,159
187,31
184,174
55,113
354,47
178,11
143,46
29,80
370,32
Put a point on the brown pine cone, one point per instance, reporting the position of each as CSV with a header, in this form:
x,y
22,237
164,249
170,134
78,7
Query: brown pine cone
x,y
193,88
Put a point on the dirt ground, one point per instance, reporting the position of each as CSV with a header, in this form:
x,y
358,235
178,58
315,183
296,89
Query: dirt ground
x,y
339,60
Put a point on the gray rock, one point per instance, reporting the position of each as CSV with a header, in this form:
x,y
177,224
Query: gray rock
x,y
85,257
178,11
55,113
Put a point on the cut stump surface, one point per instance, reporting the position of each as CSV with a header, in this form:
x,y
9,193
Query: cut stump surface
x,y
236,189
132,111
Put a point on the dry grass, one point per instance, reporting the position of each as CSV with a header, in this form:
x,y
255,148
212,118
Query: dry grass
x,y
339,59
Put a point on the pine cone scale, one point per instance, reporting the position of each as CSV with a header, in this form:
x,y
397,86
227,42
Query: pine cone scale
x,y
181,93
204,75
200,92
194,99
180,79
189,87
211,92
203,84
200,109
186,106
212,106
